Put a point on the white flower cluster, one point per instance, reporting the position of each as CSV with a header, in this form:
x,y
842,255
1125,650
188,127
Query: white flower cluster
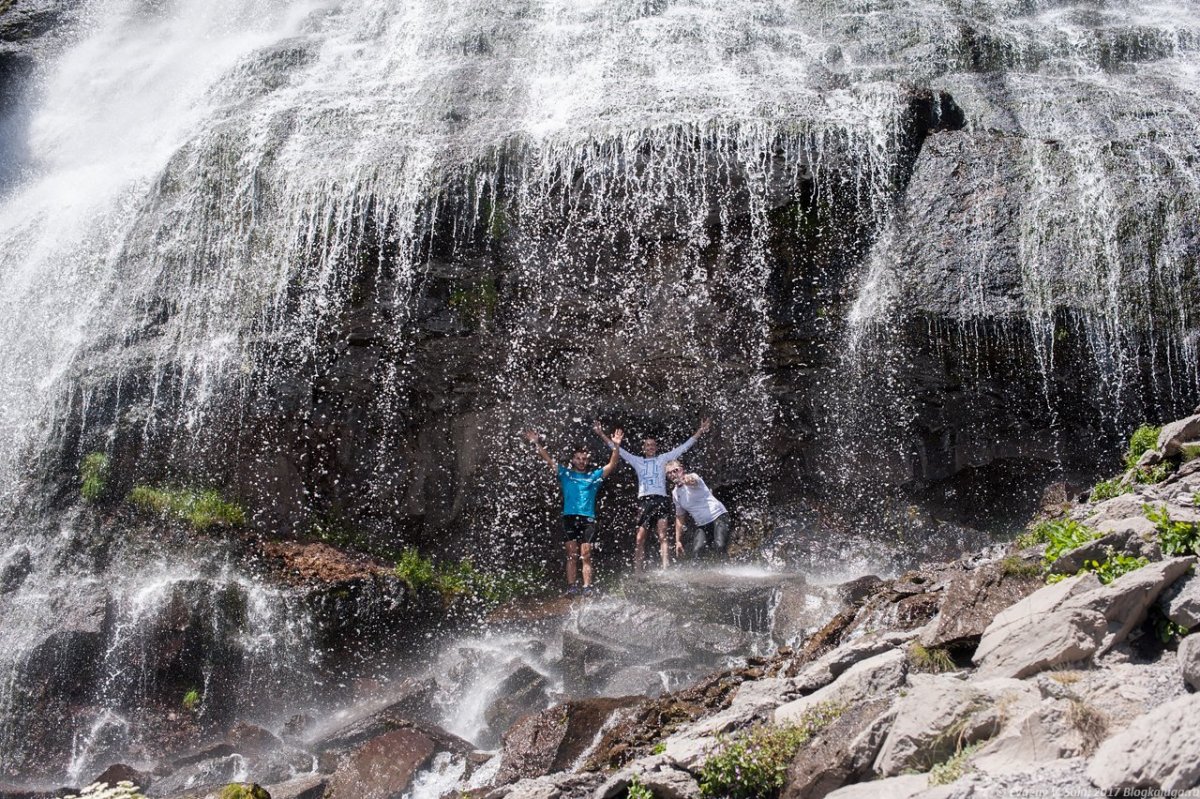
x,y
102,790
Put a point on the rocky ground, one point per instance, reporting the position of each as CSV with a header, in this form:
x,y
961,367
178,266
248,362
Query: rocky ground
x,y
1010,672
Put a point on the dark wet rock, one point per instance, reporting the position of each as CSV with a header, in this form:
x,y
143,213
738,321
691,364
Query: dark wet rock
x,y
310,786
743,601
972,600
831,759
523,691
553,739
15,792
380,722
199,777
801,610
119,772
383,767
15,566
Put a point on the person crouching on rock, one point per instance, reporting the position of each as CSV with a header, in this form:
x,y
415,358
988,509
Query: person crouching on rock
x,y
693,498
579,488
654,508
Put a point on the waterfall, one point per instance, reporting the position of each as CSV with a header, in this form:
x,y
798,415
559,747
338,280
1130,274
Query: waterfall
x,y
330,256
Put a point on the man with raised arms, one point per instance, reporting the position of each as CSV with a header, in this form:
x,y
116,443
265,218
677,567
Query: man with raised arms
x,y
693,498
654,507
579,488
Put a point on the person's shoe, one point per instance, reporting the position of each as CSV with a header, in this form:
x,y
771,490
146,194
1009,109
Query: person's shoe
x,y
591,590
573,590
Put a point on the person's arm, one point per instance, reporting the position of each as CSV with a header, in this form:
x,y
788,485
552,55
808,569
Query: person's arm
x,y
678,534
626,456
692,479
533,438
617,437
705,424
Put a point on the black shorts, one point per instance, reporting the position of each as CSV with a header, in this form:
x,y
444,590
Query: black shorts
x,y
579,528
652,508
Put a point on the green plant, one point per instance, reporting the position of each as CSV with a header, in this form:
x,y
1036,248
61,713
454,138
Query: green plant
x,y
1175,538
1117,564
93,475
1059,535
658,748
414,570
102,790
1013,566
1168,631
1107,489
191,700
638,790
1091,723
953,767
244,790
754,764
1190,451
1144,438
1154,474
475,304
930,659
199,509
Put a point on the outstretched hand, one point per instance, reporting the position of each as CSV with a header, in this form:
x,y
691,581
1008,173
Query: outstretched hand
x,y
598,428
618,436
531,435
705,424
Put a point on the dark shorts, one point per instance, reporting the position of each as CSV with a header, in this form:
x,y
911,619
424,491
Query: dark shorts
x,y
579,528
652,508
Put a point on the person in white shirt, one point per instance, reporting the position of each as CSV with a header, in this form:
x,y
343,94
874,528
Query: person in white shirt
x,y
654,508
693,498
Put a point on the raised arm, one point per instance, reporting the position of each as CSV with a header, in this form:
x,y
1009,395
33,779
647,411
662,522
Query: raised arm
x,y
533,438
617,437
685,446
598,429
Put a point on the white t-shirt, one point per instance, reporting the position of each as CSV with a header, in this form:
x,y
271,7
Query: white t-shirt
x,y
697,501
652,480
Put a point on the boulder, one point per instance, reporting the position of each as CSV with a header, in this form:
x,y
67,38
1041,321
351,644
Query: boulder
x,y
835,756
523,691
1071,620
663,781
1181,602
552,740
1151,457
874,677
801,610
906,786
941,714
119,772
1160,751
1118,540
394,716
1174,435
309,786
1189,661
383,767
971,601
833,664
713,596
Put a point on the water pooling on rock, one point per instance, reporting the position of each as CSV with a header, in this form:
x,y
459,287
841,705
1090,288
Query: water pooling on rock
x,y
331,256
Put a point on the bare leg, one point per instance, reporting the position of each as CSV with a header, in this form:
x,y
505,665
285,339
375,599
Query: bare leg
x,y
572,555
586,551
639,551
664,551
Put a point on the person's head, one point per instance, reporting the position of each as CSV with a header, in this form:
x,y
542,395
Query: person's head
x,y
674,470
580,458
649,446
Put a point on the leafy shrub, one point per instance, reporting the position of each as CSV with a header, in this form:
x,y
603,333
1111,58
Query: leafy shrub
x,y
1060,537
93,474
191,700
1107,489
638,790
102,790
1168,631
199,509
244,790
1175,538
658,748
414,570
1144,438
1154,474
755,764
1114,566
953,767
462,580
930,659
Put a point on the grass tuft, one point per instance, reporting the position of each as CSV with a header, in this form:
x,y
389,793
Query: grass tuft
x,y
93,475
200,510
929,659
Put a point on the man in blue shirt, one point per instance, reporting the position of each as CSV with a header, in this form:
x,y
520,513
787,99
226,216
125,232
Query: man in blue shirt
x,y
579,488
